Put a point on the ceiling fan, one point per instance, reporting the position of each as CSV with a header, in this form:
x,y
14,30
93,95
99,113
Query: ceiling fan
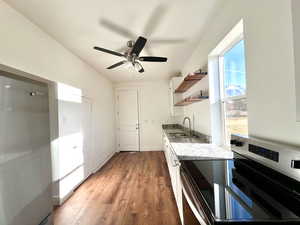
x,y
132,55
151,25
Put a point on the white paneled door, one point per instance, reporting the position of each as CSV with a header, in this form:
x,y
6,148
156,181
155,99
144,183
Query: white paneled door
x,y
128,120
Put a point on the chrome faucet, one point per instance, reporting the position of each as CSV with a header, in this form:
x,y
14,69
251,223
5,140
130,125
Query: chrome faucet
x,y
190,128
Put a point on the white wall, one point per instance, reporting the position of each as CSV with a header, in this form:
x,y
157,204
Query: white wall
x,y
154,111
26,47
296,31
270,63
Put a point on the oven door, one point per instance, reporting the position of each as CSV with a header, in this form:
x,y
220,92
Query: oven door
x,y
193,213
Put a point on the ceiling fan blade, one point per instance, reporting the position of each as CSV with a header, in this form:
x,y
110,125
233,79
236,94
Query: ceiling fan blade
x,y
155,19
138,46
122,49
108,51
117,29
116,65
153,59
167,41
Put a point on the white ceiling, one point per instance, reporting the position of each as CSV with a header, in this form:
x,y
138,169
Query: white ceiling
x,y
79,25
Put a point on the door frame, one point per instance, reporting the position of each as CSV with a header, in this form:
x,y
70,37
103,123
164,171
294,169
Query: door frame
x,y
117,90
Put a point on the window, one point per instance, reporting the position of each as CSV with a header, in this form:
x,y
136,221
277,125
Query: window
x,y
233,91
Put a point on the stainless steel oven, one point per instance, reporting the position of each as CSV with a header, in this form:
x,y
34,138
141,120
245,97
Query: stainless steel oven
x,y
259,185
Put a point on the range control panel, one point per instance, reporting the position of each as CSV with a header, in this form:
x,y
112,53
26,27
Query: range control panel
x,y
266,153
281,157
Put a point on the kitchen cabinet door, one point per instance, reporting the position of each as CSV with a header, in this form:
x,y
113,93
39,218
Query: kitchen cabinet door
x,y
174,171
179,193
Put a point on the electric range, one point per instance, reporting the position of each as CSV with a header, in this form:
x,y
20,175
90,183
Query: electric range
x,y
260,185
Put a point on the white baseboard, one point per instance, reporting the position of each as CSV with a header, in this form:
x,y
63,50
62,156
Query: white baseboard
x,y
57,201
151,148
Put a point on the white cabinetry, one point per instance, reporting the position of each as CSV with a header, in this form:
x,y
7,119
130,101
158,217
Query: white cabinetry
x,y
74,158
174,170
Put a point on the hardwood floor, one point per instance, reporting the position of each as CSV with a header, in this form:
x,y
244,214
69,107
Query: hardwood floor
x,y
131,189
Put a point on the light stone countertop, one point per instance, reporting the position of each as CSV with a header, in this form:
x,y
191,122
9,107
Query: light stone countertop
x,y
200,151
195,148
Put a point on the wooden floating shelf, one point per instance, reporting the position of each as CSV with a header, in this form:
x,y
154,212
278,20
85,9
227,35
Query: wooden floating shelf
x,y
188,101
189,81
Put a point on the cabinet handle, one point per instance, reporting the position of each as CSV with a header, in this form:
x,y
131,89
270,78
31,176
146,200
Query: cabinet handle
x,y
176,163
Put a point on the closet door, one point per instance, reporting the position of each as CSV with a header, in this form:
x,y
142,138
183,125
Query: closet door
x,y
128,120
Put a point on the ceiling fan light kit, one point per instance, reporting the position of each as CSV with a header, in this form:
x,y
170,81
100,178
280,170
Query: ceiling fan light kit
x,y
132,55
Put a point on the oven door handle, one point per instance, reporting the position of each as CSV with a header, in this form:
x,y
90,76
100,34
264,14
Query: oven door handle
x,y
191,199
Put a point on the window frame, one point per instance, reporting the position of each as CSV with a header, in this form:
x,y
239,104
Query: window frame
x,y
223,98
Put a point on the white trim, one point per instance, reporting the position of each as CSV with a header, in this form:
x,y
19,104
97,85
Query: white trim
x,y
234,98
139,91
214,98
232,43
117,90
151,148
235,35
55,200
217,98
21,73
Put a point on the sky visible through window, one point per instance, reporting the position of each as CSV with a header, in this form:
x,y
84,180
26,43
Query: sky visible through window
x,y
235,71
234,84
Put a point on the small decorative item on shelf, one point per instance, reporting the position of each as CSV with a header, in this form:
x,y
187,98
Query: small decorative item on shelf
x,y
192,99
203,94
200,72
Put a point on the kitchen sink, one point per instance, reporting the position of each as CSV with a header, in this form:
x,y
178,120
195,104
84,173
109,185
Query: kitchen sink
x,y
181,136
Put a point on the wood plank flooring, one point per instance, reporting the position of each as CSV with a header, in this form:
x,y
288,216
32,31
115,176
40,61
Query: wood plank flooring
x,y
131,189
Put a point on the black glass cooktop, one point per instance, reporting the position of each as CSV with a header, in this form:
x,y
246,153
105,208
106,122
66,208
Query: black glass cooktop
x,y
241,189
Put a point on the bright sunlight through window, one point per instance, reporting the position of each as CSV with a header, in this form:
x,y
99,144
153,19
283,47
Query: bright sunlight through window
x,y
233,91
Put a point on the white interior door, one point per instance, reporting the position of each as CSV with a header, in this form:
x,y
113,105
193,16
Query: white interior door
x,y
128,120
